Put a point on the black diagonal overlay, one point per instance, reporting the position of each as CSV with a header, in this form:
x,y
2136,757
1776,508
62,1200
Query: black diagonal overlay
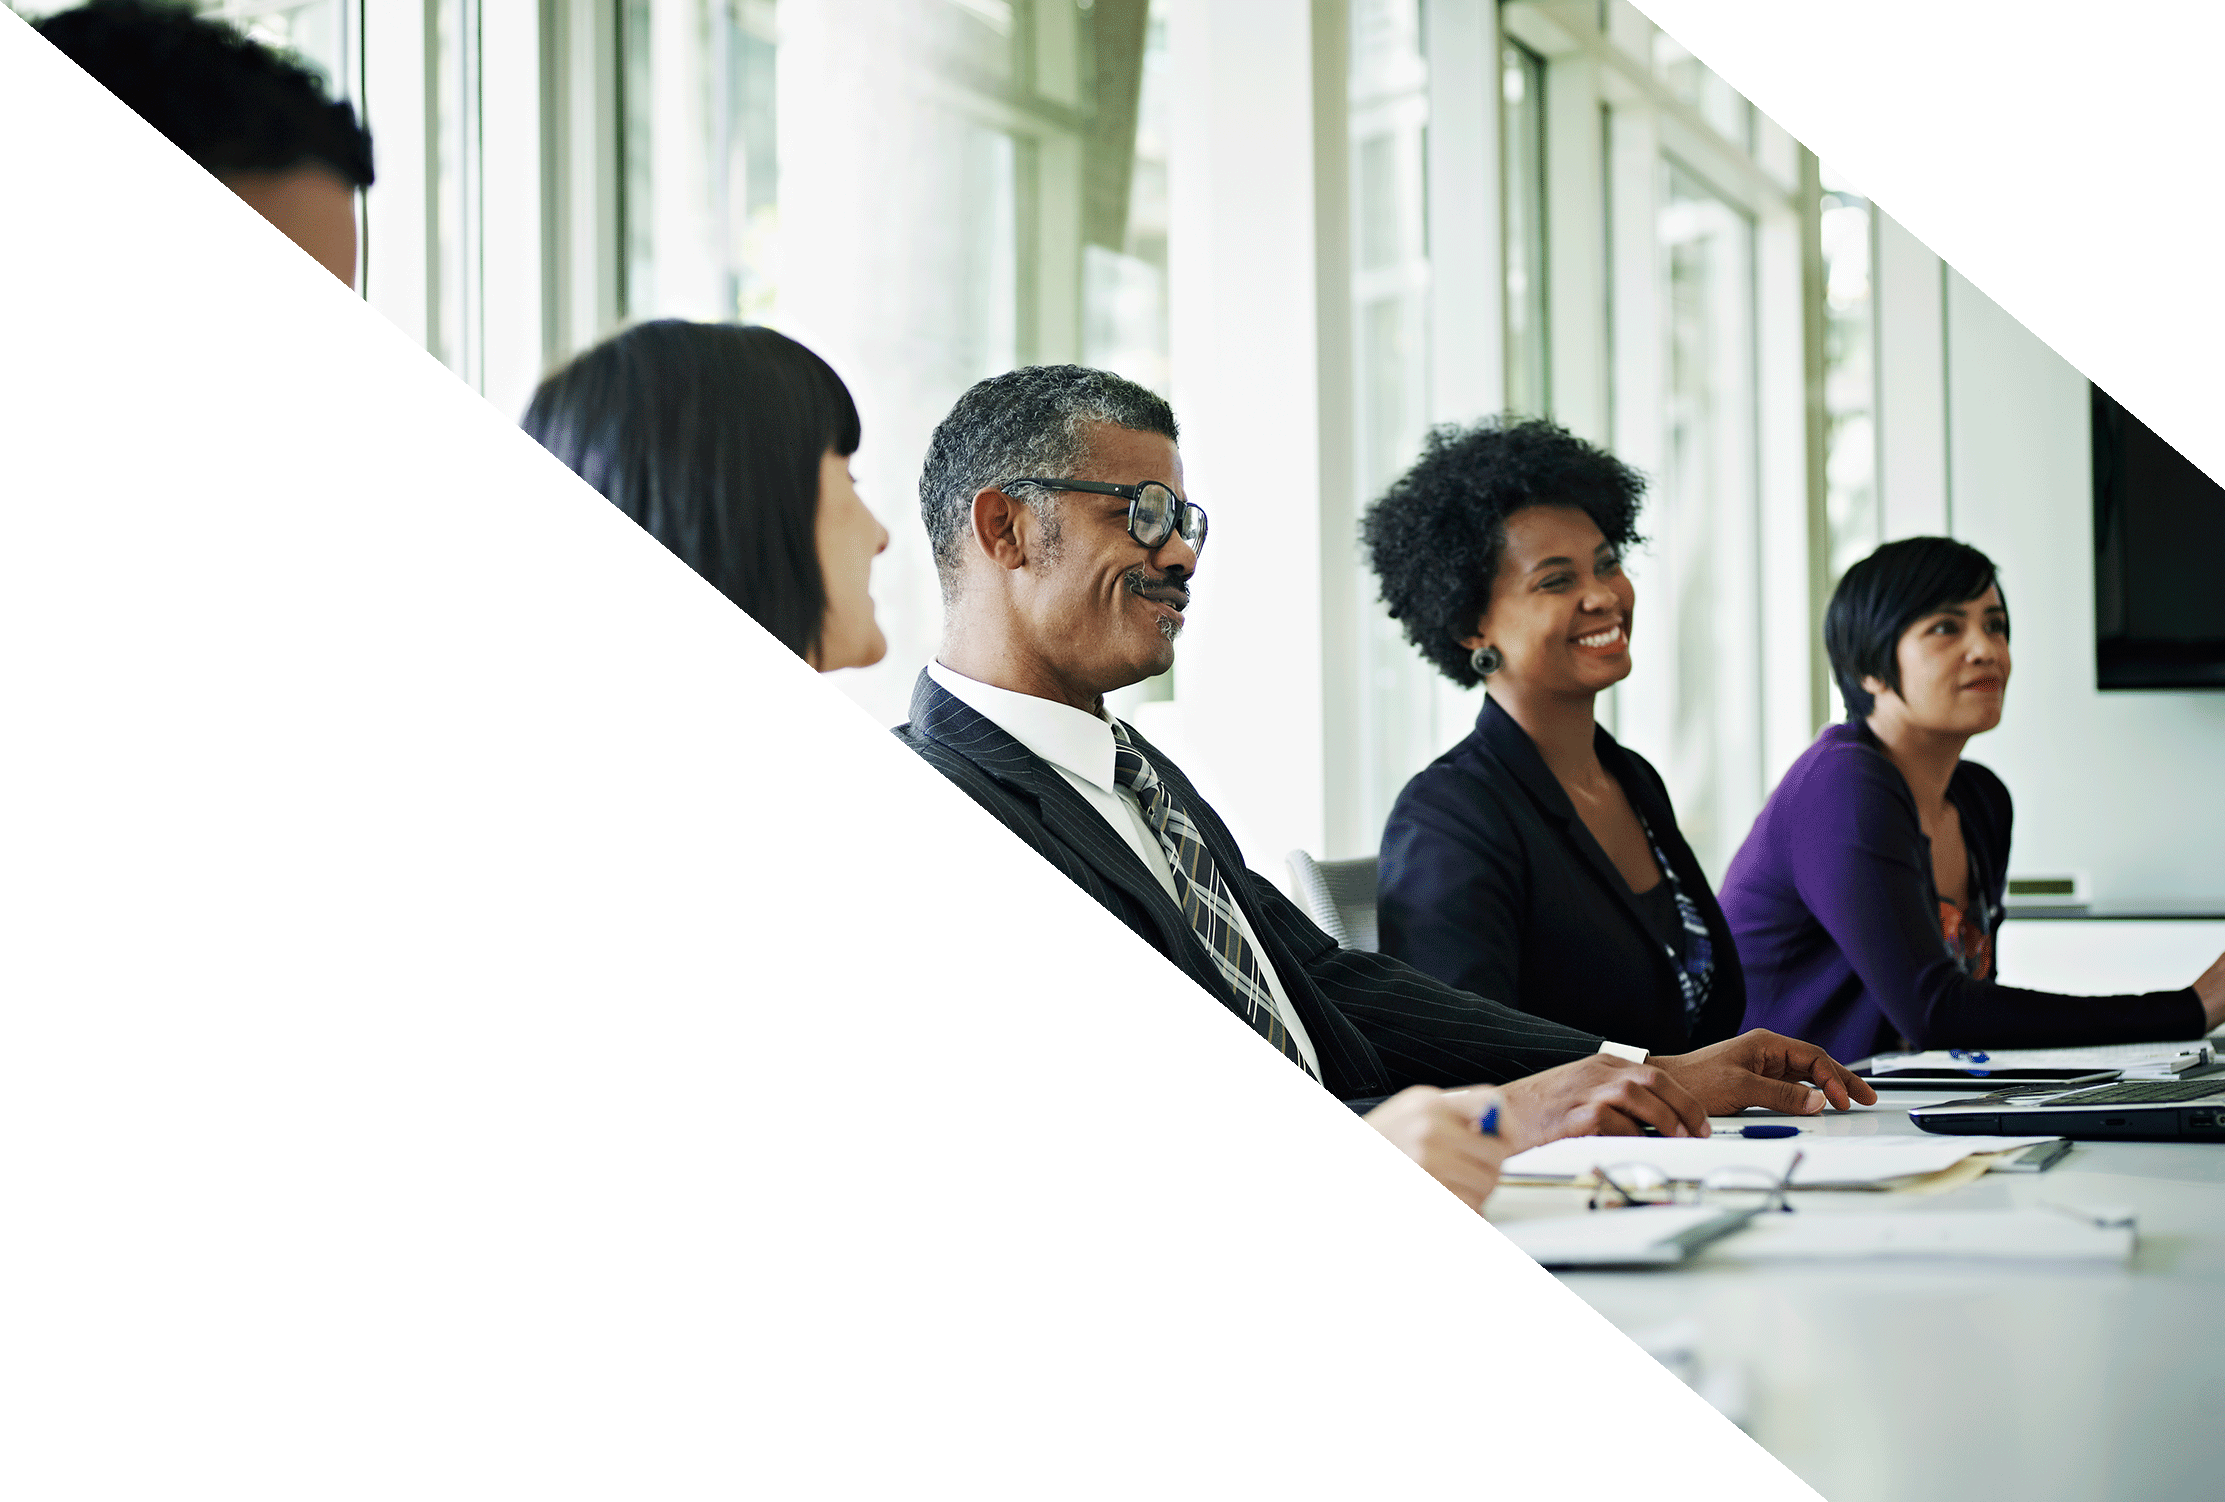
x,y
519,1002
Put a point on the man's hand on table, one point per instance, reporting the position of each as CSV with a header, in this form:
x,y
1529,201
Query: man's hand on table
x,y
1676,1095
1601,1094
1762,1068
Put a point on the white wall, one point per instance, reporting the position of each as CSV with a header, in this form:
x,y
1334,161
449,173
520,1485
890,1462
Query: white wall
x,y
2126,788
2107,958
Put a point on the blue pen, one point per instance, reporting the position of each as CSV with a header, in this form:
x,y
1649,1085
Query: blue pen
x,y
1768,1129
1489,1124
1975,1056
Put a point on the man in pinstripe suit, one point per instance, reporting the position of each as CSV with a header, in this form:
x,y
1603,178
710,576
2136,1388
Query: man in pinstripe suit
x,y
1053,498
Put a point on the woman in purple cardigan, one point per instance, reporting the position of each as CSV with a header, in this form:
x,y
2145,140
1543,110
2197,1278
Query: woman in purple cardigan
x,y
1867,897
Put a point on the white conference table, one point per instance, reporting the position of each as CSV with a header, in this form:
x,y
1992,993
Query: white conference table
x,y
1909,1381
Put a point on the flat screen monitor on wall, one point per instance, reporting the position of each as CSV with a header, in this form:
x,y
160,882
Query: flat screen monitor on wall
x,y
2159,560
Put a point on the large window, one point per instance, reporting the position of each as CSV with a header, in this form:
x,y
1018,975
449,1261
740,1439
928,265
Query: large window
x,y
1388,124
925,191
1650,232
1848,232
1529,369
1647,282
1550,209
1701,614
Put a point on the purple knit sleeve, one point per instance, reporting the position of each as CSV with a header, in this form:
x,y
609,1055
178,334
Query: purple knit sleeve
x,y
1859,862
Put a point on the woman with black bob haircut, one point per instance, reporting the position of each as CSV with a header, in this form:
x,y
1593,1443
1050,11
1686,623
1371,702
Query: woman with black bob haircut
x,y
1867,899
731,446
1538,861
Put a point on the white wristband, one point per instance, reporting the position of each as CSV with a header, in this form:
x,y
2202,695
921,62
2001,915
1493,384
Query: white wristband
x,y
1630,1051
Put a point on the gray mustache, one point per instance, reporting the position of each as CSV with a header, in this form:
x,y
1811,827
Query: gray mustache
x,y
1166,591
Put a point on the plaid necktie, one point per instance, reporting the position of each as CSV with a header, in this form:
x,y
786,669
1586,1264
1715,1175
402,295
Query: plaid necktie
x,y
1205,897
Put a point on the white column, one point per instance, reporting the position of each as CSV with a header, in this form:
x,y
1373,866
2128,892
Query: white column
x,y
1781,391
689,279
1467,308
1057,237
1911,385
510,202
1575,250
1247,292
1641,710
1467,303
584,253
397,221
899,263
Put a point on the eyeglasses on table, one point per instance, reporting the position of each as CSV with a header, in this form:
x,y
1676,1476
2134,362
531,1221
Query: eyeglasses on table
x,y
1635,1183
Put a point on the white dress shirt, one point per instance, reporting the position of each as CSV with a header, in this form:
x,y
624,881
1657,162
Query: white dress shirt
x,y
1079,746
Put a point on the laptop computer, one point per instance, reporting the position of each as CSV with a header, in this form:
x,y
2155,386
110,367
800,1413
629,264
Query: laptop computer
x,y
2129,1110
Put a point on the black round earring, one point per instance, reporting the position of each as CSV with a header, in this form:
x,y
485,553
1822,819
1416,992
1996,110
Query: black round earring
x,y
1486,661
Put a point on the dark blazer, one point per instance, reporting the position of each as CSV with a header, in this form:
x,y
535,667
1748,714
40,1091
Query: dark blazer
x,y
1490,882
1377,1025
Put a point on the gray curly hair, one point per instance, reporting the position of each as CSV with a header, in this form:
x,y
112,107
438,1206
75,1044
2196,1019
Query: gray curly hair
x,y
1030,421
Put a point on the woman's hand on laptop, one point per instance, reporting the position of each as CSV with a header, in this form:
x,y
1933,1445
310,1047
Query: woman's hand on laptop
x,y
2211,990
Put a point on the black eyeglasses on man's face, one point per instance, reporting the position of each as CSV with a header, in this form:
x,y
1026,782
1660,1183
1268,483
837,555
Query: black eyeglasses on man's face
x,y
1155,513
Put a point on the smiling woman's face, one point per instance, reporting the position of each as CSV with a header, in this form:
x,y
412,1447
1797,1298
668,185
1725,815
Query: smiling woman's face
x,y
1560,607
1954,669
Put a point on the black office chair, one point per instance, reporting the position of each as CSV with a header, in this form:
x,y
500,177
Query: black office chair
x,y
1338,895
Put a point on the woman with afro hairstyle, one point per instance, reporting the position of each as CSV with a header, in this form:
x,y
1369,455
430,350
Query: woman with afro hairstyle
x,y
1538,861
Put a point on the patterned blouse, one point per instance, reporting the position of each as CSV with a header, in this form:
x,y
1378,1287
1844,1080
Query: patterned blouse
x,y
1695,957
1969,935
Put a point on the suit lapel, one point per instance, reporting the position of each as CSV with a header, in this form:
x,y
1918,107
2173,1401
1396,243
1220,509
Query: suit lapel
x,y
1033,800
1509,744
942,716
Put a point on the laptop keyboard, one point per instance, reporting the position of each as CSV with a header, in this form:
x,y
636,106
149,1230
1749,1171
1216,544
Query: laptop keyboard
x,y
2143,1093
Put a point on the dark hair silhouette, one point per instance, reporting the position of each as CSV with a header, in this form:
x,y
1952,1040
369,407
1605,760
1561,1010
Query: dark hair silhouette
x,y
1885,594
1435,538
710,435
231,104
